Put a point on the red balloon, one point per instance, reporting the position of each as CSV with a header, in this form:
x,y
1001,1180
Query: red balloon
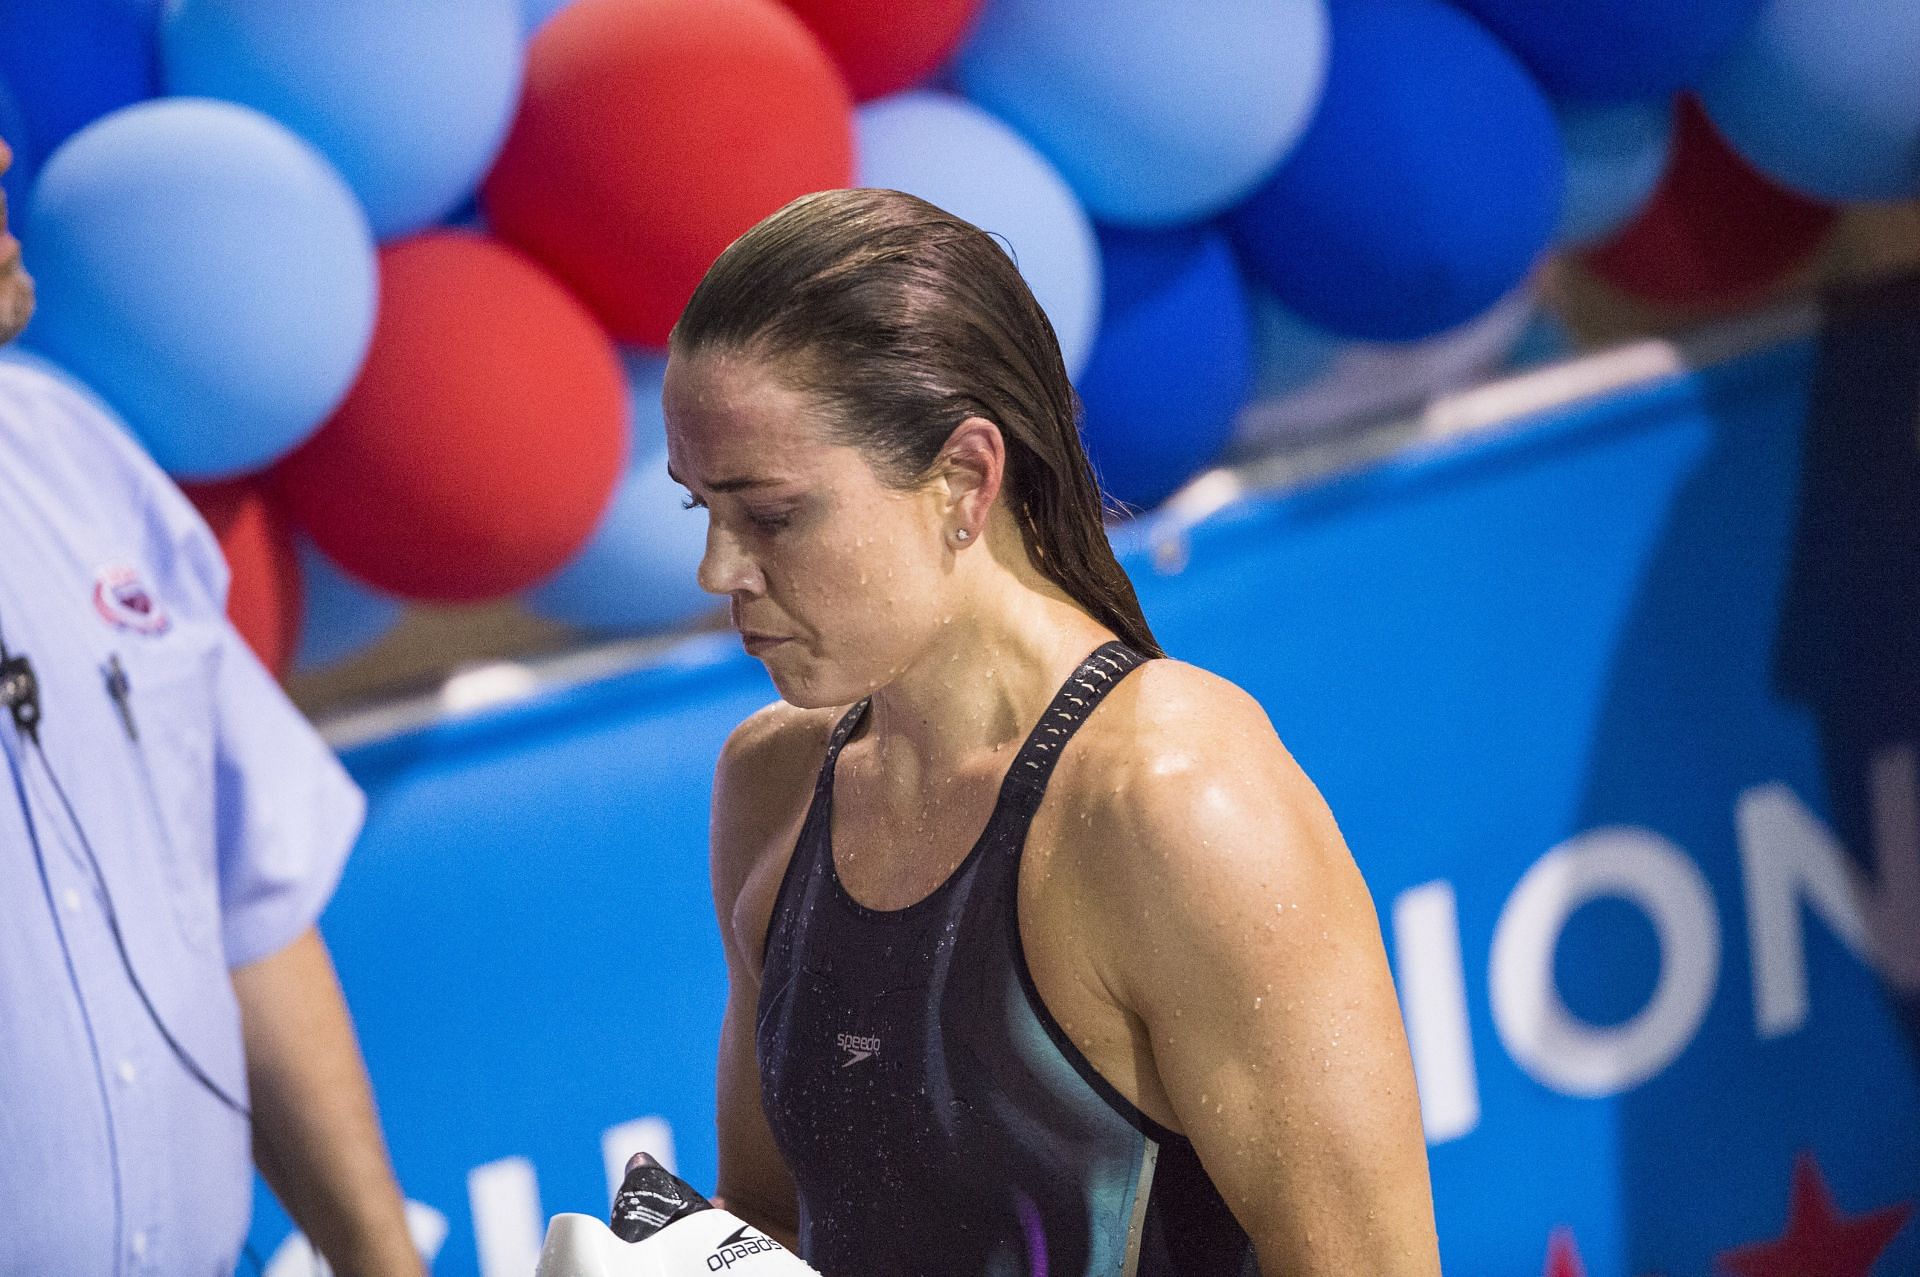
x,y
651,134
264,595
483,439
1716,233
885,48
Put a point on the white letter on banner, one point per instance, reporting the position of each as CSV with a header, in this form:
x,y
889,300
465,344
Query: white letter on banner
x,y
642,1135
296,1257
1788,856
507,1226
1560,1050
1433,995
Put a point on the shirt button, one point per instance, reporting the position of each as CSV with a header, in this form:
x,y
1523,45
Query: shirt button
x,y
71,899
127,1072
139,1245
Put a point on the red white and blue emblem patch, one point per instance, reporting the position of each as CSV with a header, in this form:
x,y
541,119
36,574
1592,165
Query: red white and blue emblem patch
x,y
123,600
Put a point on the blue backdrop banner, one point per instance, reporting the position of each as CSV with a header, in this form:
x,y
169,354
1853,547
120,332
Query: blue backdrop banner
x,y
1617,708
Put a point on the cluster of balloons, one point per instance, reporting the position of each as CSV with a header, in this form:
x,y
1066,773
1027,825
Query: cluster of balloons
x,y
386,285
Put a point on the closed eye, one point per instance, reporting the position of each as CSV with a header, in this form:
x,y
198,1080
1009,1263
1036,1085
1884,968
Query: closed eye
x,y
767,523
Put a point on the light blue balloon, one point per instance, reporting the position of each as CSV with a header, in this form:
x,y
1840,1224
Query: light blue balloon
x,y
1824,96
1615,158
637,571
1156,113
410,101
951,153
343,617
209,273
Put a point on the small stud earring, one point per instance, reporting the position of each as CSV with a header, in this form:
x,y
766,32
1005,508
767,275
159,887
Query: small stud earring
x,y
961,534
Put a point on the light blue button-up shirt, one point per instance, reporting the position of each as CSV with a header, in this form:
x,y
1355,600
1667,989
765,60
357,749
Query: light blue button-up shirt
x,y
219,823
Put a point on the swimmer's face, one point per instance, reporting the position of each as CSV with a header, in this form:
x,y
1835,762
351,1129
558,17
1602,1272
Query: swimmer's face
x,y
805,540
16,286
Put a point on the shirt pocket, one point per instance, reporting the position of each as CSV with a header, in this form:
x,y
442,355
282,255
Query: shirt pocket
x,y
171,699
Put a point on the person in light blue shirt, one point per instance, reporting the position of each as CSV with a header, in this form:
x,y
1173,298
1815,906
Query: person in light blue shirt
x,y
170,828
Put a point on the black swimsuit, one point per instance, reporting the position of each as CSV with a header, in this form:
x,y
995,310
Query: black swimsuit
x,y
935,1117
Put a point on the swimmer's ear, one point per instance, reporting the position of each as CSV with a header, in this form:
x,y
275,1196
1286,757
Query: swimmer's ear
x,y
971,466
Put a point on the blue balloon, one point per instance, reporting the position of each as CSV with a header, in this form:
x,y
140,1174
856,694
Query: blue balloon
x,y
410,101
67,63
13,131
1172,364
208,273
951,153
1615,158
1156,113
342,615
1426,187
1824,96
1617,50
637,572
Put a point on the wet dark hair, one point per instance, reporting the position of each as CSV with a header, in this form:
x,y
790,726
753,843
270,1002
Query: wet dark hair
x,y
901,321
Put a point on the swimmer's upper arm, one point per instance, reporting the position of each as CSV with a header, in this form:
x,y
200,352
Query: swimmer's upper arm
x,y
1244,938
763,772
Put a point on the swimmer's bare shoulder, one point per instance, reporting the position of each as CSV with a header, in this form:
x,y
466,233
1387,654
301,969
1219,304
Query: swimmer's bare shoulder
x,y
761,788
1230,924
762,785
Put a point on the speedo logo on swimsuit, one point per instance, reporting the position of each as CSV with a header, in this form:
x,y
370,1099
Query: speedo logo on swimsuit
x,y
743,1244
857,1048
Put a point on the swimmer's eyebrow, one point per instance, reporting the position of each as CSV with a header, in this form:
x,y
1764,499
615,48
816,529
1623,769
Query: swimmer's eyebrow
x,y
726,485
